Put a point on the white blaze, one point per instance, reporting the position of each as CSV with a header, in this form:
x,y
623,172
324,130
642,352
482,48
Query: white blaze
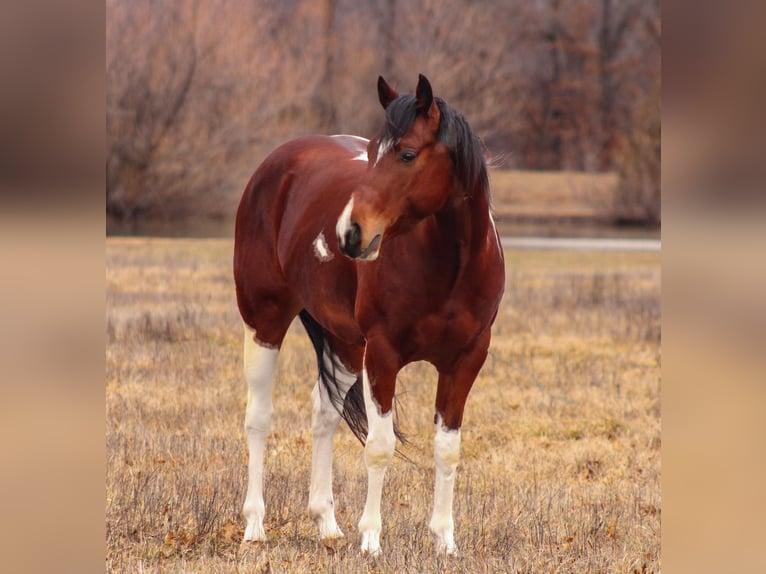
x,y
344,221
383,148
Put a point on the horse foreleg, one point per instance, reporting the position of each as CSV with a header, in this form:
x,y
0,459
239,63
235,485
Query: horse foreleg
x,y
325,417
446,457
378,452
260,368
451,395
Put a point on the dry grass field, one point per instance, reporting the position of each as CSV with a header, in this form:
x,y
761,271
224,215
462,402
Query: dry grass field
x,y
560,468
528,195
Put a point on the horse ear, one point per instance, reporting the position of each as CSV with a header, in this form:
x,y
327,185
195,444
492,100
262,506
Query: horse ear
x,y
386,94
424,95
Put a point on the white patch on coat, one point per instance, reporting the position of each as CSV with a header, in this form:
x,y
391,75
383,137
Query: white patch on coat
x,y
360,141
321,249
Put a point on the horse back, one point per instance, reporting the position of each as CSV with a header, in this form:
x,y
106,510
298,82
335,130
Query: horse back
x,y
286,250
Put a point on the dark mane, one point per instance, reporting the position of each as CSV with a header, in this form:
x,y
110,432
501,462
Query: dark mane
x,y
466,149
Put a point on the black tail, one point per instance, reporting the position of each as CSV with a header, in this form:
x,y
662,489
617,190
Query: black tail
x,y
352,407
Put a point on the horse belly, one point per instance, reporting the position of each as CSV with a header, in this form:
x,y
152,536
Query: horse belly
x,y
323,279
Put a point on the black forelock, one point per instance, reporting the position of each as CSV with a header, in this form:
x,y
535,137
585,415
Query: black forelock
x,y
400,115
466,149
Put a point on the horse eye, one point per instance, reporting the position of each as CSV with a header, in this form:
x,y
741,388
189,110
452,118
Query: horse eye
x,y
407,156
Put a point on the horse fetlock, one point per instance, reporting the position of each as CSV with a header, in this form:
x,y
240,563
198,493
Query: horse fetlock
x,y
328,527
253,508
323,513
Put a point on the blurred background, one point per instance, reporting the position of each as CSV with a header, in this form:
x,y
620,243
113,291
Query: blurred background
x,y
64,108
564,93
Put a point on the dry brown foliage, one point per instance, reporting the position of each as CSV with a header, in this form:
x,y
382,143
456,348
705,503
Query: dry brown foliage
x,y
560,468
198,92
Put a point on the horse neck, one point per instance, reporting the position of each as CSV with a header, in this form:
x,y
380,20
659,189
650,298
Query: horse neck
x,y
468,218
468,221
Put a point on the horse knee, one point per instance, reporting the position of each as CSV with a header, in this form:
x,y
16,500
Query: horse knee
x,y
379,450
447,449
258,417
324,415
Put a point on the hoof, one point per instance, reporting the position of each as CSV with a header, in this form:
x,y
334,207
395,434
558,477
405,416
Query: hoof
x,y
255,533
370,544
331,533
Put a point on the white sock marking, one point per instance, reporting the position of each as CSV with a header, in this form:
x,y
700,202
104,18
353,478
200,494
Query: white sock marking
x,y
377,455
446,457
324,422
260,368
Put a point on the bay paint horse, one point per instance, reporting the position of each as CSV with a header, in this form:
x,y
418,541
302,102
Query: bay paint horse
x,y
388,253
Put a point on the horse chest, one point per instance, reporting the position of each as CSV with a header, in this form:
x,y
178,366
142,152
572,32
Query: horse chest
x,y
422,322
441,337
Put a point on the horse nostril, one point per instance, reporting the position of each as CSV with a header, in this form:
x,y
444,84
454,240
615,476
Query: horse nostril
x,y
353,239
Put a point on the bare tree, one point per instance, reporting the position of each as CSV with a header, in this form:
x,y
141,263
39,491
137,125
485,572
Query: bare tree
x,y
618,19
198,92
187,99
144,102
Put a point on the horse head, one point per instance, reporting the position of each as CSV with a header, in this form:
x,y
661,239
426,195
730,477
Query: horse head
x,y
409,173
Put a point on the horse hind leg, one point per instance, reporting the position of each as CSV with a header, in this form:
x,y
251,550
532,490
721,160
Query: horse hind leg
x,y
324,422
328,396
260,369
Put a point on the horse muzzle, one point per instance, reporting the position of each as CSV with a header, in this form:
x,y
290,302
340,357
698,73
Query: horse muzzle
x,y
351,238
351,244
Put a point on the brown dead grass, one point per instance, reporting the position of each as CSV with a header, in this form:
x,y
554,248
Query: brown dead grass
x,y
560,468
520,195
